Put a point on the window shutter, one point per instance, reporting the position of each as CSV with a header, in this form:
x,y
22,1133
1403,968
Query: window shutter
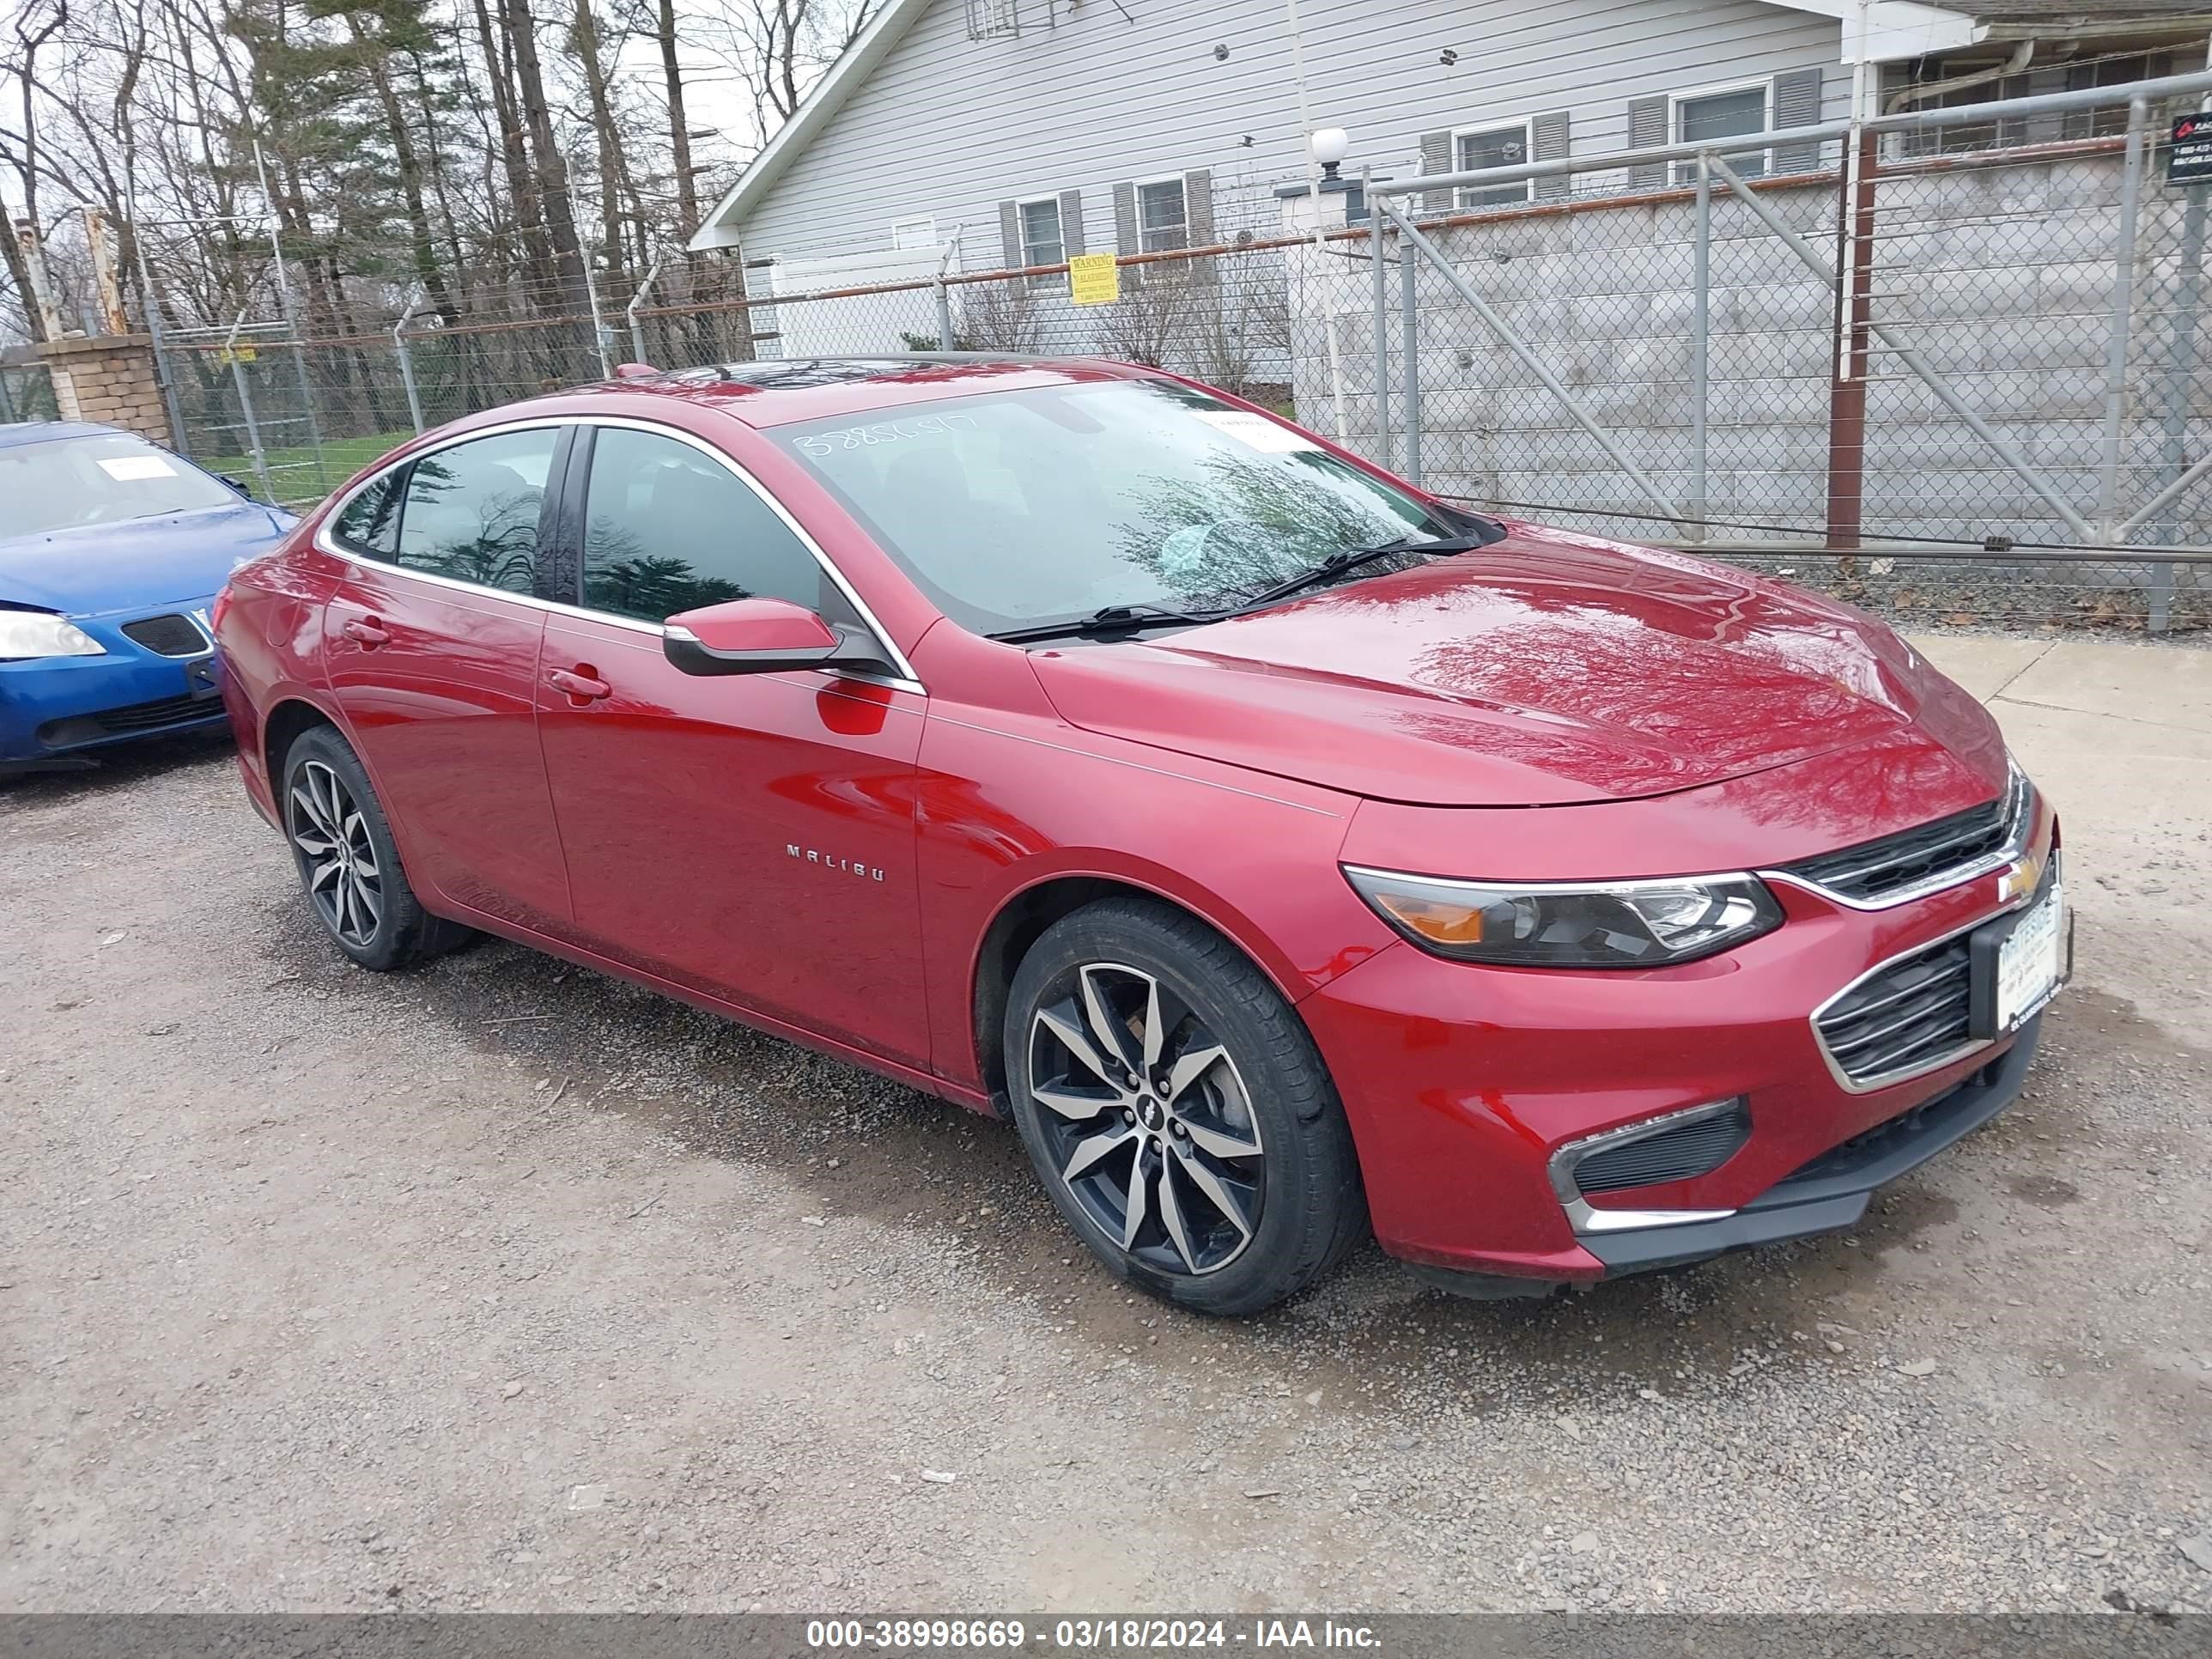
x,y
1071,222
1436,157
1796,104
1010,236
1552,141
1125,231
1198,207
1647,130
1198,213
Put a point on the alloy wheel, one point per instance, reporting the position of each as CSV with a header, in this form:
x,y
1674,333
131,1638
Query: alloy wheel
x,y
1147,1119
344,878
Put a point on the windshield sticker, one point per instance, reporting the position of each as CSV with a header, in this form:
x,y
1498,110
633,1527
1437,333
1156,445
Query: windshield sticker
x,y
125,469
1257,430
818,444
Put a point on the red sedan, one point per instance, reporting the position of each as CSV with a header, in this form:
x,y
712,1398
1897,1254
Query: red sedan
x,y
1284,850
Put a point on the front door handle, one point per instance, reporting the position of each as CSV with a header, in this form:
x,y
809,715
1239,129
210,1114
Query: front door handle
x,y
580,684
366,633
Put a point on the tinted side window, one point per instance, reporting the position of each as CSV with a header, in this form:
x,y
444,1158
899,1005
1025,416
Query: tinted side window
x,y
471,511
668,529
370,523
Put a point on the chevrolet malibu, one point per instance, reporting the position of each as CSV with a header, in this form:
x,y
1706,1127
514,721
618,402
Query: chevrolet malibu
x,y
1285,851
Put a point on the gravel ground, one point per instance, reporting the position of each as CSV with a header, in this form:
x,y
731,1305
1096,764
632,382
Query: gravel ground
x,y
503,1285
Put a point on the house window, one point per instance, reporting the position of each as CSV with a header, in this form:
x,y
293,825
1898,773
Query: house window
x,y
1963,136
1043,242
1491,146
1162,217
2112,120
1722,113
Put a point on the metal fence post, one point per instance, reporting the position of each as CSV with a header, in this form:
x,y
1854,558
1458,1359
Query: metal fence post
x,y
407,361
292,328
947,338
7,400
2181,375
1381,456
245,412
629,312
1847,382
1409,340
253,430
162,370
600,332
2115,349
1700,345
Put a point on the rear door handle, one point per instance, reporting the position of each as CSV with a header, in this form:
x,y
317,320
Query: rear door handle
x,y
367,634
579,685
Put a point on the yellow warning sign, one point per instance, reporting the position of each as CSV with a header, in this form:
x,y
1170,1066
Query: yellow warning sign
x,y
1093,279
228,354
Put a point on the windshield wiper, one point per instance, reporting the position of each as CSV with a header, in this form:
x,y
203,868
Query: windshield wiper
x,y
1109,619
1350,558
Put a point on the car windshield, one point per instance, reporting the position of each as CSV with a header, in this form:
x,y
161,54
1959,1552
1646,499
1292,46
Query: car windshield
x,y
70,483
1016,508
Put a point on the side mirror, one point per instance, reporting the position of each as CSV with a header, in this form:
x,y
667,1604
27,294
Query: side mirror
x,y
758,636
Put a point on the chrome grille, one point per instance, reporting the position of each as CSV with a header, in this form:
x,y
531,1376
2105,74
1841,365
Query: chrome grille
x,y
1906,1018
1925,859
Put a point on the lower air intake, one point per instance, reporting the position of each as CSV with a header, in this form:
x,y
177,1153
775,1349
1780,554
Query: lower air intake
x,y
1682,1152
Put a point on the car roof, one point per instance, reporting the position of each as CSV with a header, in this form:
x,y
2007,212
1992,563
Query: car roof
x,y
774,392
38,432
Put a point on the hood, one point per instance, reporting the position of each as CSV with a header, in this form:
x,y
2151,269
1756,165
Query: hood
x,y
1545,669
146,562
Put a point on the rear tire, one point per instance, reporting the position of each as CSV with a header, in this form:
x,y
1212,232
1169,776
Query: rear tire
x,y
1176,1110
349,865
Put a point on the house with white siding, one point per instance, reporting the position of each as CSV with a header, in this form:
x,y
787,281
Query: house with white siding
x,y
996,134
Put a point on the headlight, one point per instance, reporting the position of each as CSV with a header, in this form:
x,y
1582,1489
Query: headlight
x,y
1534,924
34,634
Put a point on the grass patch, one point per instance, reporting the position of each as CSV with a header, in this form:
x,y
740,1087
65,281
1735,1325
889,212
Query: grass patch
x,y
292,474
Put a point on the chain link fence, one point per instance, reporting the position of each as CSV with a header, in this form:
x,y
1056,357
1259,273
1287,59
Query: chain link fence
x,y
26,393
1645,345
295,416
1951,363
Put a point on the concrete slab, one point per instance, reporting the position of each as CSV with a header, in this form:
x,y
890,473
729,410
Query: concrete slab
x,y
1982,665
2134,799
2169,684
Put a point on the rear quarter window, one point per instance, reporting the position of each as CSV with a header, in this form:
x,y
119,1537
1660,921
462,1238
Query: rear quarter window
x,y
369,522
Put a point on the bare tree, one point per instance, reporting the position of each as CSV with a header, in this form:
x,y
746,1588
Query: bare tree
x,y
777,49
999,316
34,26
1151,320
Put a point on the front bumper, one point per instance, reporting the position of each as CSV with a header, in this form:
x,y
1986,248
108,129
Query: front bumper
x,y
1463,1086
1832,1192
54,707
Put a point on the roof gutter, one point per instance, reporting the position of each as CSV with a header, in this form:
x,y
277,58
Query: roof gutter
x,y
1921,93
1883,31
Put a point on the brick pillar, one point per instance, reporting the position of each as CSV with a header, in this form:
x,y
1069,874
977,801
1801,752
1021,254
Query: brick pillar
x,y
110,380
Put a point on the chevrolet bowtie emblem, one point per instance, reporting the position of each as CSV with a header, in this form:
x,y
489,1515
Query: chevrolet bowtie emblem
x,y
2023,877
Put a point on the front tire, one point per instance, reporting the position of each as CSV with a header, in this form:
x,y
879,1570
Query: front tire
x,y
1177,1111
349,865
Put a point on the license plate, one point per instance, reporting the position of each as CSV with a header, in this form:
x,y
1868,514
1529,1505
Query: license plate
x,y
2029,960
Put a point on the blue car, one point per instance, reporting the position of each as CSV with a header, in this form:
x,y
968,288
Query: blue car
x,y
112,551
